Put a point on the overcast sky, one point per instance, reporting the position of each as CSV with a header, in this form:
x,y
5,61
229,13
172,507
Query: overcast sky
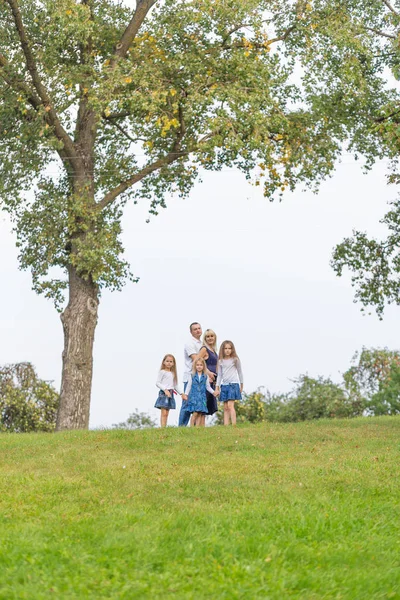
x,y
256,272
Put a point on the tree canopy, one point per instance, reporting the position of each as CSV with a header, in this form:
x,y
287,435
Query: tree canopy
x,y
201,84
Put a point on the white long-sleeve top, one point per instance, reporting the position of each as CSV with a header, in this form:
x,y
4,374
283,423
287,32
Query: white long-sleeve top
x,y
229,371
189,385
165,381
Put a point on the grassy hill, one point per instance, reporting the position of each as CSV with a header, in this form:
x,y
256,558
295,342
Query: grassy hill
x,y
308,510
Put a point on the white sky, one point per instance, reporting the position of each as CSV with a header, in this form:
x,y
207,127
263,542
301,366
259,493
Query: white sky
x,y
256,272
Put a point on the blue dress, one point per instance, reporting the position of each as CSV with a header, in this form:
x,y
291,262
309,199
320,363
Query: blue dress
x,y
197,400
164,402
211,363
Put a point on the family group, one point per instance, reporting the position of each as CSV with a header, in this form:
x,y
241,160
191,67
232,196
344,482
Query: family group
x,y
209,374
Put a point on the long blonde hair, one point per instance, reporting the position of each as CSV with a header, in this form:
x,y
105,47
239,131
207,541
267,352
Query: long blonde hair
x,y
222,350
207,332
195,363
173,368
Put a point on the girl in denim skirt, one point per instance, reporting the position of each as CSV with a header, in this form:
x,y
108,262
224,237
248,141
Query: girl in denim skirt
x,y
167,381
195,393
229,380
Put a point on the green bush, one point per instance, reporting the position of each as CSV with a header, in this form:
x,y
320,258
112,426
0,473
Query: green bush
x,y
136,420
387,400
321,399
27,403
371,386
311,399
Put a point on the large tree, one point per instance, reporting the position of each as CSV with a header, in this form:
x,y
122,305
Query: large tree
x,y
102,103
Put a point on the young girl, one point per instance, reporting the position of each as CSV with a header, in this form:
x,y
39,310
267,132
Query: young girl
x,y
167,381
229,380
195,393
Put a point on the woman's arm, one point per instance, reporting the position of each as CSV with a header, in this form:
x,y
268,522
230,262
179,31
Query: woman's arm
x,y
203,353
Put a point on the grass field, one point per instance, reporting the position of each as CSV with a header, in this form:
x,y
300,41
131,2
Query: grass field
x,y
308,511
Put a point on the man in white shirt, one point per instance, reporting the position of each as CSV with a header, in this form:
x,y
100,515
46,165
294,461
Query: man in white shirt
x,y
192,348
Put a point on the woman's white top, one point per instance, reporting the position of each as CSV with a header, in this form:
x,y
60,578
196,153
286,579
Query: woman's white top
x,y
189,385
229,371
165,381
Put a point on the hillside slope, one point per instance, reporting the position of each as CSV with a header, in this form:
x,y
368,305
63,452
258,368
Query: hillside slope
x,y
304,511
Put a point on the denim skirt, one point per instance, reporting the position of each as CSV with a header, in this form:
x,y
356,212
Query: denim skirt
x,y
164,402
230,391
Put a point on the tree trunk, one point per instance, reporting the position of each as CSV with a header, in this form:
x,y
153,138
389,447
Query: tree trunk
x,y
79,322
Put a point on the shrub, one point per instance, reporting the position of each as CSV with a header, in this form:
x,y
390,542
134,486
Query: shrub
x,y
310,399
136,420
387,400
27,403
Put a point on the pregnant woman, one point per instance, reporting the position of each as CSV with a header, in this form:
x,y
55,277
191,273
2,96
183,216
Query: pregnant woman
x,y
210,354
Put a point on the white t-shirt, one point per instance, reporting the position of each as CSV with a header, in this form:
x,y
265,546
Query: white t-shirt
x,y
192,347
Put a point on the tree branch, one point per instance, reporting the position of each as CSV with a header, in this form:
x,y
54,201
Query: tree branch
x,y
18,85
52,116
378,32
390,7
142,8
174,154
122,187
125,133
280,38
284,36
233,30
385,118
114,116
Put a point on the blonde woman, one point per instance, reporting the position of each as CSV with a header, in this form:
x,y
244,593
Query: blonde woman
x,y
209,352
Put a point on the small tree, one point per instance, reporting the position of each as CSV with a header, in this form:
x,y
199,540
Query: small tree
x,y
374,378
321,398
387,400
136,420
370,371
257,407
27,403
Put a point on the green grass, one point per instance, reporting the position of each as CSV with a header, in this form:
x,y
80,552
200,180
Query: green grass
x,y
304,511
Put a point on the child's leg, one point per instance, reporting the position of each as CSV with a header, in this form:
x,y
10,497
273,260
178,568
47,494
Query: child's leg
x,y
164,416
226,413
232,411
